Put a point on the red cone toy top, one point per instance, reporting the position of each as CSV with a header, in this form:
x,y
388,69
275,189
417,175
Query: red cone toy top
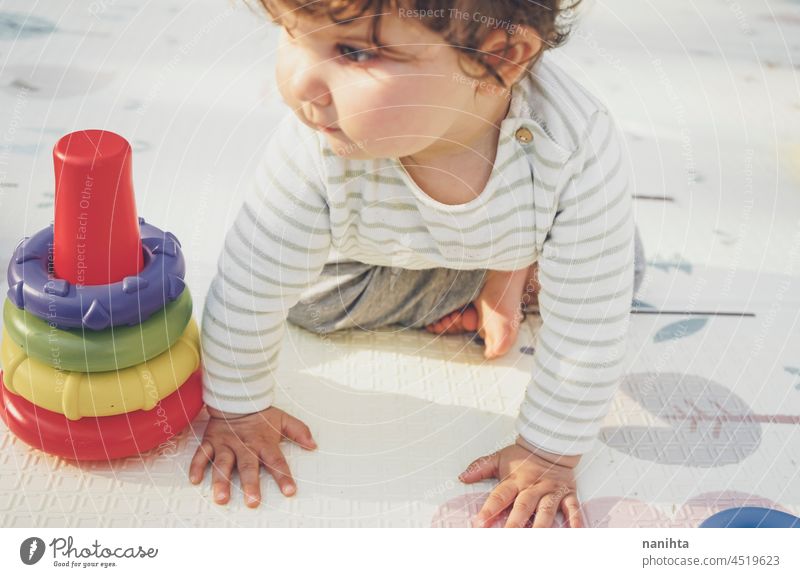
x,y
96,231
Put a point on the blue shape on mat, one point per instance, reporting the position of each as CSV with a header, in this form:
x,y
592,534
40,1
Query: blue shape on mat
x,y
24,149
139,145
666,266
526,350
751,517
14,26
642,305
680,329
793,371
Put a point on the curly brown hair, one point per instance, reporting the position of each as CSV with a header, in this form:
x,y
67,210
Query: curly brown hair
x,y
551,19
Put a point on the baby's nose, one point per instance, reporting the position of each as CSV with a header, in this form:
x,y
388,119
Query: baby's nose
x,y
308,86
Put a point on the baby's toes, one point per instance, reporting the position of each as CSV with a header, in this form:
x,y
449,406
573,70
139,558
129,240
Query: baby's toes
x,y
436,326
452,323
441,326
469,319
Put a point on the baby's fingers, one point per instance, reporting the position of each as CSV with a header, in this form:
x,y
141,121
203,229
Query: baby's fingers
x,y
524,506
572,511
497,502
202,456
296,430
249,468
221,469
481,468
546,511
276,464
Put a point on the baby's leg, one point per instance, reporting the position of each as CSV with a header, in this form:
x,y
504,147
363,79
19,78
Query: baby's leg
x,y
358,295
468,319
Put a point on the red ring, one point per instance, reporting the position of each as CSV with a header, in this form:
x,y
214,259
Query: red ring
x,y
102,438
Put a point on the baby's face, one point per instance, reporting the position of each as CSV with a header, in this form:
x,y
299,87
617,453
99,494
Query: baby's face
x,y
383,108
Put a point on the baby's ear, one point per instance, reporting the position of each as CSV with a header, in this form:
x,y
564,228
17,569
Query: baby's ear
x,y
510,55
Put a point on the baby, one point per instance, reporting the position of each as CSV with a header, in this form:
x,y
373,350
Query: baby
x,y
439,172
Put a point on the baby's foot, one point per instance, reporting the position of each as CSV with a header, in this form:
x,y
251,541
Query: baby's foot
x,y
499,307
495,313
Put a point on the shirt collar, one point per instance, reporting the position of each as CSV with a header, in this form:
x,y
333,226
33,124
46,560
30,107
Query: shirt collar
x,y
522,115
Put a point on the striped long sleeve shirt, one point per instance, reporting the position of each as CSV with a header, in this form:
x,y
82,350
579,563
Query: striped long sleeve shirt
x,y
561,198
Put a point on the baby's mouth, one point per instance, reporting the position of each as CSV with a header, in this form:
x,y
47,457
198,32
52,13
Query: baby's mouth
x,y
328,129
322,127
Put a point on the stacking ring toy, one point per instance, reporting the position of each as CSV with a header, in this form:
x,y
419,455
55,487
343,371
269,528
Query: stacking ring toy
x,y
102,438
77,395
751,517
96,351
96,307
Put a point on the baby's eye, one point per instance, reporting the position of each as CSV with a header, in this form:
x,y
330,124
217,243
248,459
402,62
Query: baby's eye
x,y
359,55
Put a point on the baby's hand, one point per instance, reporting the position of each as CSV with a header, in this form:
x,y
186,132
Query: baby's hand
x,y
248,441
531,483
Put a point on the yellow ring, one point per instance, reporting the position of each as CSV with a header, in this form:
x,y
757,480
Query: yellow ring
x,y
77,395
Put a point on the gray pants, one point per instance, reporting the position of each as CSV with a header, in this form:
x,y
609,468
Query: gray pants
x,y
357,295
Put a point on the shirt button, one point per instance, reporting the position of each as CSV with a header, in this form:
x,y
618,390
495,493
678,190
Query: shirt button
x,y
524,135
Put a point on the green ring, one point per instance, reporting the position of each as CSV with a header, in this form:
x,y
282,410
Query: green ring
x,y
111,349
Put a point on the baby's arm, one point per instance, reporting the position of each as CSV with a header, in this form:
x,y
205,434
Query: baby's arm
x,y
585,278
586,287
276,247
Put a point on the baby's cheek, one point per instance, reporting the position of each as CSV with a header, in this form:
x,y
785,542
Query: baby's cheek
x,y
392,132
369,131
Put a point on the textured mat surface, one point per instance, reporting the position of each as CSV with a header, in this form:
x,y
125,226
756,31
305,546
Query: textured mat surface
x,y
708,415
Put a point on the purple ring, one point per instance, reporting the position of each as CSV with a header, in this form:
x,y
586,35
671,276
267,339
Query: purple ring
x,y
130,301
